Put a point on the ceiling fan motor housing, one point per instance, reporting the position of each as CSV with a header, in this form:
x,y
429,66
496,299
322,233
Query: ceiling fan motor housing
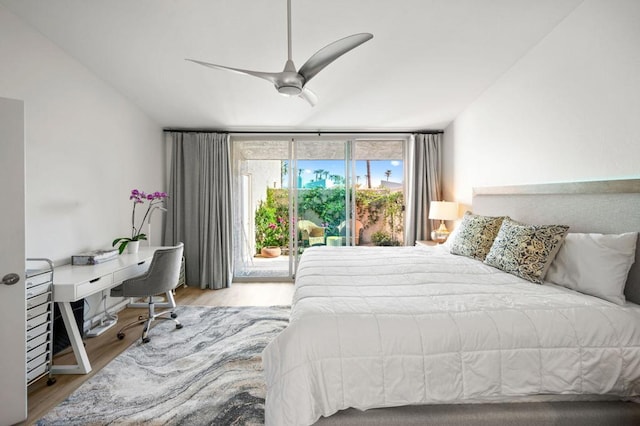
x,y
289,82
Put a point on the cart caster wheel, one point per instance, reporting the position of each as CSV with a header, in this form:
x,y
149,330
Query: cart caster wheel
x,y
140,317
178,326
174,315
51,381
145,340
120,335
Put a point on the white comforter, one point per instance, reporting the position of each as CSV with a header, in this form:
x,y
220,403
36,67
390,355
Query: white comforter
x,y
380,327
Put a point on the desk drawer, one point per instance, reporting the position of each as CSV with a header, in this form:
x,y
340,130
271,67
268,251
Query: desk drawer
x,y
38,310
40,355
38,329
34,343
37,352
95,285
36,321
131,271
37,372
39,279
38,289
38,300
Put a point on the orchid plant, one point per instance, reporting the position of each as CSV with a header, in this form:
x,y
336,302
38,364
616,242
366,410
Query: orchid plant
x,y
139,197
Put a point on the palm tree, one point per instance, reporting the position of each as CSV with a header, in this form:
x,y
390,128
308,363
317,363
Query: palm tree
x,y
284,169
387,174
318,173
337,179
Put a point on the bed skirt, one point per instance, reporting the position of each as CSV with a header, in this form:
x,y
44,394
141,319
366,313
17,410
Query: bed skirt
x,y
584,413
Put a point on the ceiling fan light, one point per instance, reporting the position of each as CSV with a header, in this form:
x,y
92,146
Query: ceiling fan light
x,y
289,90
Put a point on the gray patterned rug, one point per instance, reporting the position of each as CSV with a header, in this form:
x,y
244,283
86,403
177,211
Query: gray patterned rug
x,y
207,373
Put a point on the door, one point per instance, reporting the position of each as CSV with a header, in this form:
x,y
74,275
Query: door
x,y
313,191
279,184
13,386
260,209
324,203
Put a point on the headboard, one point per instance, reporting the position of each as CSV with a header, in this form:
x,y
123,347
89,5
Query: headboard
x,y
607,207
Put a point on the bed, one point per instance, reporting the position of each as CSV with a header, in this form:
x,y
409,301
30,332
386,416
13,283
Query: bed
x,y
412,335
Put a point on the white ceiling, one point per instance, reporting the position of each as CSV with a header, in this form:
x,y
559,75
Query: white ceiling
x,y
428,60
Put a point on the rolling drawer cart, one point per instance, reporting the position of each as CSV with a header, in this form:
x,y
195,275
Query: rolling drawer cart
x,y
39,295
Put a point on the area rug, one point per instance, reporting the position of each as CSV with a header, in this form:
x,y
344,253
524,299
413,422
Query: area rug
x,y
207,373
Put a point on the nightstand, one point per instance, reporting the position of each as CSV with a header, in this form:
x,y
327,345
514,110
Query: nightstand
x,y
426,243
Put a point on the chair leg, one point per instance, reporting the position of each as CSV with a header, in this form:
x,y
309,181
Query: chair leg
x,y
145,330
171,301
152,315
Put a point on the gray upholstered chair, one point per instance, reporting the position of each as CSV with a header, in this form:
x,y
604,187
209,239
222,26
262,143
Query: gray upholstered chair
x,y
161,277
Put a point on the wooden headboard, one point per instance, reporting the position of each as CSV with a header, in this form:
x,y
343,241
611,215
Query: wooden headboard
x,y
607,207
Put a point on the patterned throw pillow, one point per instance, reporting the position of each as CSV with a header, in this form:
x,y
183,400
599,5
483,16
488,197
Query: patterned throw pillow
x,y
475,235
526,250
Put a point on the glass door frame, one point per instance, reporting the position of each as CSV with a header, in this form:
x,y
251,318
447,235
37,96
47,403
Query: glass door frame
x,y
350,140
349,204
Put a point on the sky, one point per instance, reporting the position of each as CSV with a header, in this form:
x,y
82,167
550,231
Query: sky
x,y
336,167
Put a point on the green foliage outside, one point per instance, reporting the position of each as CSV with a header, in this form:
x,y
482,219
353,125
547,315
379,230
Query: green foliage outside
x,y
327,204
272,222
382,238
375,205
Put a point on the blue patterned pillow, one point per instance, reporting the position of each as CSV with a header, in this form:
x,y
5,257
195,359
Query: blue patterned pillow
x,y
526,250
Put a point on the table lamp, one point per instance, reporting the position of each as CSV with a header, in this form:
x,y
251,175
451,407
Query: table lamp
x,y
442,210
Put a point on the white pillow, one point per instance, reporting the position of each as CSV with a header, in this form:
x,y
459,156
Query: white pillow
x,y
595,264
452,236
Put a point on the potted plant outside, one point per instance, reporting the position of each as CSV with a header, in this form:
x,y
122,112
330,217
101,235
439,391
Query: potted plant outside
x,y
271,231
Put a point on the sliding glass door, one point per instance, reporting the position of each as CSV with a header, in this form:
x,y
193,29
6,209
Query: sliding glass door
x,y
323,192
300,193
261,211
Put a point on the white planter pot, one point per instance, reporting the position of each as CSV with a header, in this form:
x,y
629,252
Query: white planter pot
x,y
133,247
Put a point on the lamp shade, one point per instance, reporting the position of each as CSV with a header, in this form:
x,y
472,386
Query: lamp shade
x,y
443,210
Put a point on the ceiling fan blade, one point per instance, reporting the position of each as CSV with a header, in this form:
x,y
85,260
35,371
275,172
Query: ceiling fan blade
x,y
269,76
309,96
330,53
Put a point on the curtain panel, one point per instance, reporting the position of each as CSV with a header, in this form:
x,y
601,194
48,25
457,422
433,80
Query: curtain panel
x,y
425,184
200,206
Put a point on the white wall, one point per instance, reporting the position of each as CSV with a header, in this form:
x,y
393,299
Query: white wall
x,y
86,147
569,110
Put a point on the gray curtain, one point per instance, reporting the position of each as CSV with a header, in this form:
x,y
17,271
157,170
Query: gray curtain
x,y
199,207
425,185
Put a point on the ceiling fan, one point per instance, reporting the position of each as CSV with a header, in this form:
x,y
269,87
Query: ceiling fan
x,y
290,82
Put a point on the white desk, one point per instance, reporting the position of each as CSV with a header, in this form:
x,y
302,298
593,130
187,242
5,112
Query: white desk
x,y
71,283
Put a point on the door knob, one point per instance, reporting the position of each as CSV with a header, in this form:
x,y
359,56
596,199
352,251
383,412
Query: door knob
x,y
10,279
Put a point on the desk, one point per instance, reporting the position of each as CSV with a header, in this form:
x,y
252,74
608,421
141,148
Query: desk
x,y
75,282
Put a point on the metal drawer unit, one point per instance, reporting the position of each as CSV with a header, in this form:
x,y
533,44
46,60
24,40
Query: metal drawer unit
x,y
39,295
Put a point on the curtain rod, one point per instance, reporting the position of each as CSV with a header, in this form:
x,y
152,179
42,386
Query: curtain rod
x,y
309,132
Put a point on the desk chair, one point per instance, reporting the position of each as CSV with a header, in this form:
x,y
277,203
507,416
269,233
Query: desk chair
x,y
161,277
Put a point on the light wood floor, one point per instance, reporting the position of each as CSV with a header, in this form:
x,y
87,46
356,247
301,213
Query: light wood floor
x,y
104,348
